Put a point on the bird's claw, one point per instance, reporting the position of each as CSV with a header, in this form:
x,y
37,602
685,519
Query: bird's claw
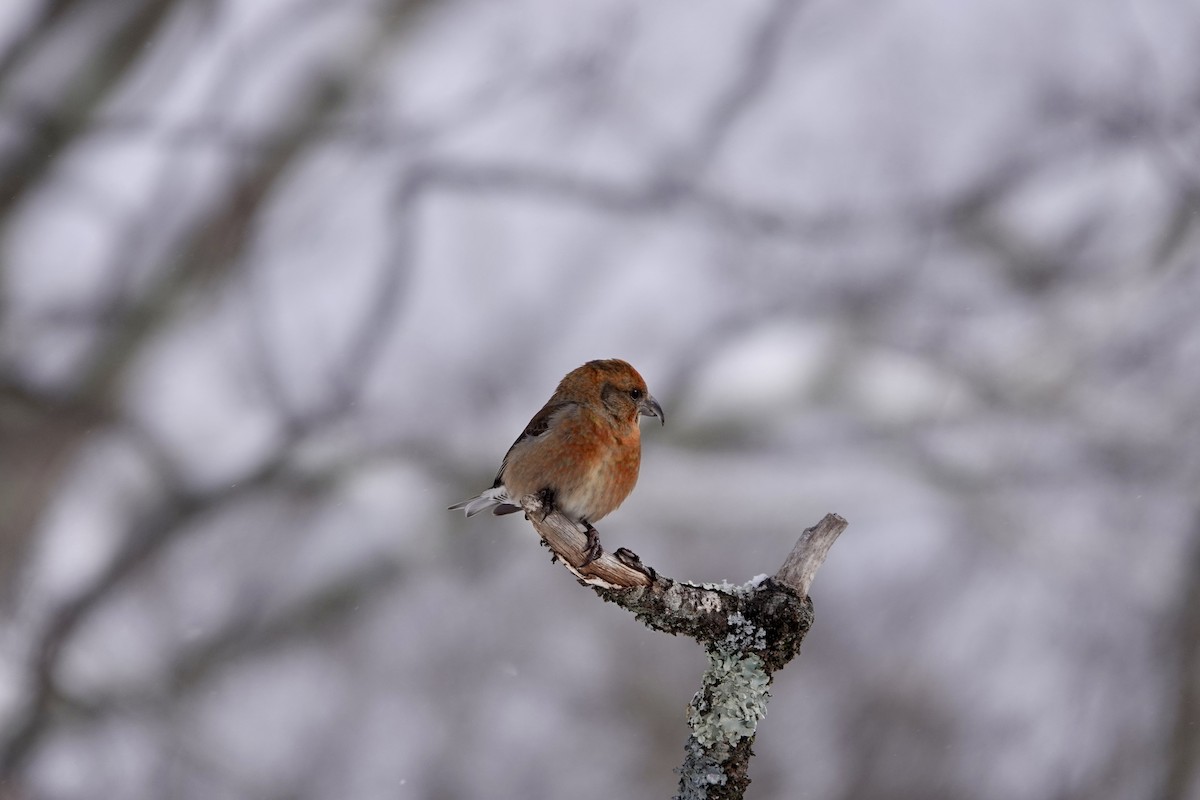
x,y
593,550
546,498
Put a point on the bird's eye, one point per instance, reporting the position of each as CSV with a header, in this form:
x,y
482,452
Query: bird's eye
x,y
635,393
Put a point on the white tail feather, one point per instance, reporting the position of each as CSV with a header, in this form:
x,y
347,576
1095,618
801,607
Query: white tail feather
x,y
489,498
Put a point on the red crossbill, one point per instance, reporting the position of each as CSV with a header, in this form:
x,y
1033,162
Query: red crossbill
x,y
581,453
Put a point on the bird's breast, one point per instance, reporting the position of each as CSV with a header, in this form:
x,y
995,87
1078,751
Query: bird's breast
x,y
607,483
589,463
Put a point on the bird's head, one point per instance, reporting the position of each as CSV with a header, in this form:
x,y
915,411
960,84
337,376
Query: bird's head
x,y
621,390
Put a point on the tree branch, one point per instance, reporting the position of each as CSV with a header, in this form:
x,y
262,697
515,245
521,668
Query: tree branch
x,y
749,632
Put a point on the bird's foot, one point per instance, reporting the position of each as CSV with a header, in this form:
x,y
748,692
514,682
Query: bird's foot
x,y
546,498
594,550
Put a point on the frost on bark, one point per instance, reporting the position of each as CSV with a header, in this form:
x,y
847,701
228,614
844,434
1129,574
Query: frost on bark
x,y
749,632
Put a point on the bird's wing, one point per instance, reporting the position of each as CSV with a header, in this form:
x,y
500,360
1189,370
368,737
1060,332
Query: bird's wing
x,y
537,427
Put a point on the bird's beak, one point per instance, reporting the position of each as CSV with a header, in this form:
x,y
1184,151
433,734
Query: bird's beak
x,y
650,408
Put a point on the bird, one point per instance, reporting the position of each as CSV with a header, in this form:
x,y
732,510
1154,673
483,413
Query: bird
x,y
581,453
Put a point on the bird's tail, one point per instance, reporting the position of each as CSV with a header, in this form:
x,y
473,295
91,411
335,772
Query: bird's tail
x,y
489,498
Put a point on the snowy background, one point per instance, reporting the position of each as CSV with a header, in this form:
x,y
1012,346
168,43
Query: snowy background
x,y
281,280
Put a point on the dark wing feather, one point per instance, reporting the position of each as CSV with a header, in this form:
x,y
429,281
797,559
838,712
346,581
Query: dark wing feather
x,y
536,427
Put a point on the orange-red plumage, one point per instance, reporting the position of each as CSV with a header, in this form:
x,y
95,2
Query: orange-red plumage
x,y
582,451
